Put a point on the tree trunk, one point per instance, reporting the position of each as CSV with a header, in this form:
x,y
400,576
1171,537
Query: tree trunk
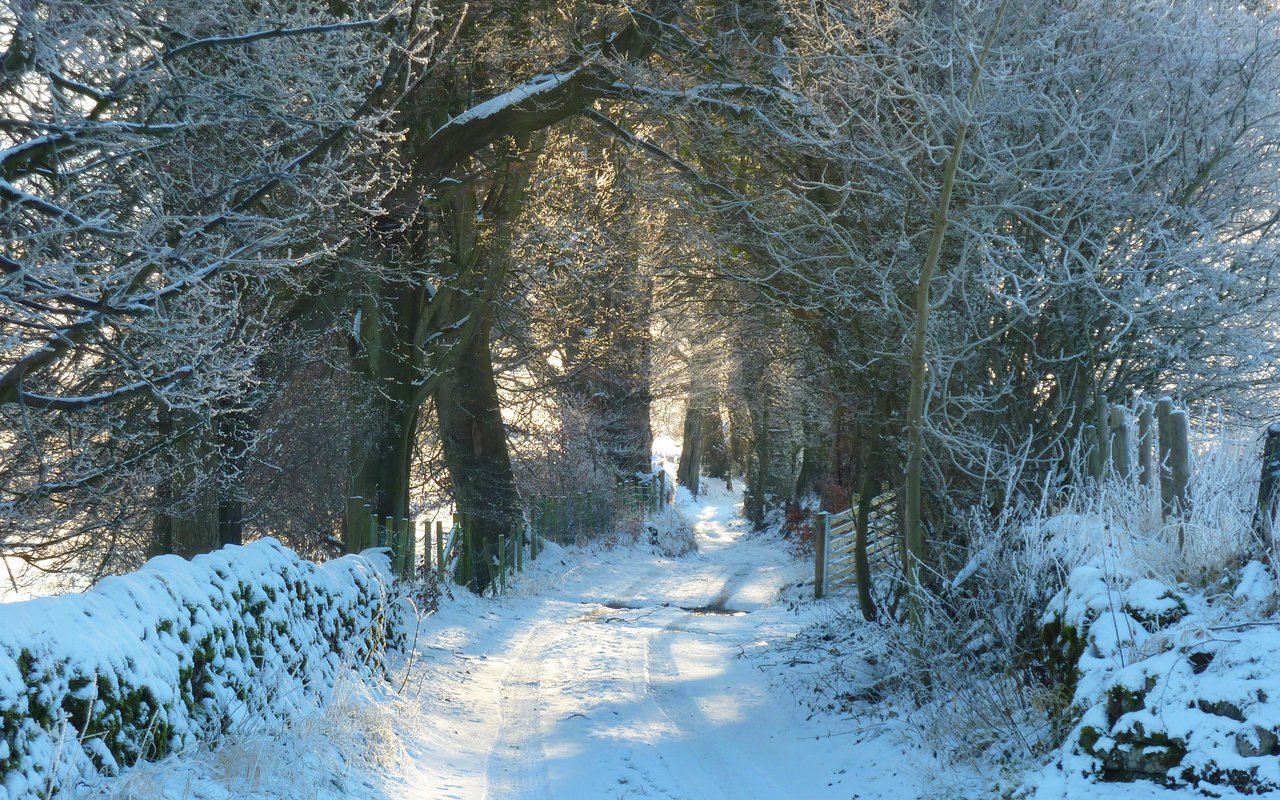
x,y
691,450
186,521
463,385
867,490
715,447
627,392
914,528
475,451
758,486
387,358
812,457
1264,513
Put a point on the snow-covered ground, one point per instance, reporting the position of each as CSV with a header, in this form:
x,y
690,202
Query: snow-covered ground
x,y
619,672
605,673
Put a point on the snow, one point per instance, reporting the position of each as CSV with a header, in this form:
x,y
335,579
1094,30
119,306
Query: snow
x,y
532,88
591,680
623,670
1186,675
177,653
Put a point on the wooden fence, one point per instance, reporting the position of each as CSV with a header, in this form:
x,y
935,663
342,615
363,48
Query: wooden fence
x,y
365,529
835,539
579,518
457,553
1162,447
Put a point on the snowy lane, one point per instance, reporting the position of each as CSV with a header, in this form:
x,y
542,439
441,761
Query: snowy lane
x,y
606,678
622,674
517,763
605,674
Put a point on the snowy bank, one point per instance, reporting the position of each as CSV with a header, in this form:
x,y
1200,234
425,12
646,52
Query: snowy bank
x,y
1176,687
177,653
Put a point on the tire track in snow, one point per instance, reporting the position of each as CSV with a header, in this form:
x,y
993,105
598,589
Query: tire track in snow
x,y
517,767
730,588
724,773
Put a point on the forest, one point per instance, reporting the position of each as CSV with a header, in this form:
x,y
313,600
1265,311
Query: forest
x,y
260,258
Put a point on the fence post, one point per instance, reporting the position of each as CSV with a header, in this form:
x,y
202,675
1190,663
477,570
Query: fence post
x,y
397,543
821,532
371,530
502,563
351,527
540,526
459,524
1093,453
1120,443
575,516
1180,460
426,548
404,535
468,536
1264,514
1164,429
1146,444
440,557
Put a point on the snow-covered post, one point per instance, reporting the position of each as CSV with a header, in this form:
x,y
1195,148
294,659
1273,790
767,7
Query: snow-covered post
x,y
1120,461
1180,459
1146,444
822,533
1264,514
1164,408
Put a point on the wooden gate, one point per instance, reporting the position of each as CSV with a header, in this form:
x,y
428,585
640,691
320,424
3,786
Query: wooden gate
x,y
834,544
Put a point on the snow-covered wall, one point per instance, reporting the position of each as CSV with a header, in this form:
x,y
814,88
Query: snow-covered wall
x,y
176,653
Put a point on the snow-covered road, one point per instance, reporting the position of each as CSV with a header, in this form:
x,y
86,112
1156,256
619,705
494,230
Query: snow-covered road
x,y
611,673
624,673
605,673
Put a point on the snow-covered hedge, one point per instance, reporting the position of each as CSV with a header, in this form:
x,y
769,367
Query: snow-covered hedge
x,y
176,653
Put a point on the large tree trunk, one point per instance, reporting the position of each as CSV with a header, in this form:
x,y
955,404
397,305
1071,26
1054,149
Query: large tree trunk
x,y
459,322
475,451
387,358
688,473
715,446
